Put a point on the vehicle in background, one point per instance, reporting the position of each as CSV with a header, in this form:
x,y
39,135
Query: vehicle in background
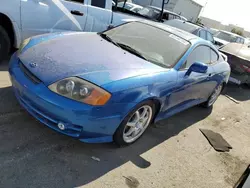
x,y
239,61
213,30
130,6
197,30
224,37
183,18
247,41
155,14
21,19
140,73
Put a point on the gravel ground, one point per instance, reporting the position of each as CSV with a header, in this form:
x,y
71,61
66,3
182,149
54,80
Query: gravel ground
x,y
172,153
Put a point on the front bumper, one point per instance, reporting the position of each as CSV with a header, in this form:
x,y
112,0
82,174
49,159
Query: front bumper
x,y
84,122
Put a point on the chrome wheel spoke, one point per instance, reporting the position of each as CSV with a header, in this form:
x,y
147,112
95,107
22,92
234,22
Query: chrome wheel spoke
x,y
137,116
144,113
130,131
134,133
131,124
144,122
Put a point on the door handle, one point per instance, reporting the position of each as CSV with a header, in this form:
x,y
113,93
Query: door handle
x,y
76,12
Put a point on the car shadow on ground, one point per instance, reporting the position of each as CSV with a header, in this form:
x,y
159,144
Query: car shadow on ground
x,y
240,93
33,155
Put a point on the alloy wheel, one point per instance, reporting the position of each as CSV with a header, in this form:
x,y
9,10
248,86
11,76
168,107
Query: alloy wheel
x,y
215,95
137,123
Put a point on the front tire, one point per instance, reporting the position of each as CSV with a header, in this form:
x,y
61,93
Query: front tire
x,y
212,99
135,124
4,44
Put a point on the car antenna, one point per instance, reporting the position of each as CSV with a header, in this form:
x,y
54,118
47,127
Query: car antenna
x,y
162,7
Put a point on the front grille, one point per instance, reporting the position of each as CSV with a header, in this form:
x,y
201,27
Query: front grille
x,y
29,74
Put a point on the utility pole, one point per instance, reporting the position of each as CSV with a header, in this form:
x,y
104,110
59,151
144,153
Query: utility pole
x,y
162,7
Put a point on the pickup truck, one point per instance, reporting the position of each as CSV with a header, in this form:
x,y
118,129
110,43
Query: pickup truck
x,y
21,19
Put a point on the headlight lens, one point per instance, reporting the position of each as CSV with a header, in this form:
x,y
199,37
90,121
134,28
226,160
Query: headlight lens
x,y
81,90
24,43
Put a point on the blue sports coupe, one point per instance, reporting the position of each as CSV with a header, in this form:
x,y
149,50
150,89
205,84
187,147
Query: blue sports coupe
x,y
110,86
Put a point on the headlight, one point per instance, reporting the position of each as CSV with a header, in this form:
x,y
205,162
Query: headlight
x,y
24,43
81,90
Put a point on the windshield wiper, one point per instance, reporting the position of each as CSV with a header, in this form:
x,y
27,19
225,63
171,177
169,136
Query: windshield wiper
x,y
132,50
106,37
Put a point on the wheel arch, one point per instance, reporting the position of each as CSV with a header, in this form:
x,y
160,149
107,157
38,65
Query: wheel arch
x,y
156,102
11,29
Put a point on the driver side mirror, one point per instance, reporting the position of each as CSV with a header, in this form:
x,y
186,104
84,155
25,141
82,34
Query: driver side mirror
x,y
197,67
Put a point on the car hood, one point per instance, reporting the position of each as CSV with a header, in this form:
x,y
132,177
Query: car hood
x,y
85,55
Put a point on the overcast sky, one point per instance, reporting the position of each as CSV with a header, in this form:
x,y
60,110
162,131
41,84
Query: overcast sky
x,y
228,11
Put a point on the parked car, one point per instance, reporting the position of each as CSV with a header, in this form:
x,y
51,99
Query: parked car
x,y
213,30
183,18
224,37
140,73
247,41
130,6
197,30
21,19
239,61
154,13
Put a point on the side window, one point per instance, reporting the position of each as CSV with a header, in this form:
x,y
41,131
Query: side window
x,y
76,1
210,37
165,16
214,56
203,34
199,54
171,17
98,3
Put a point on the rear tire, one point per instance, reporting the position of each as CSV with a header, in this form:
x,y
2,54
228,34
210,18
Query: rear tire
x,y
132,121
4,44
213,98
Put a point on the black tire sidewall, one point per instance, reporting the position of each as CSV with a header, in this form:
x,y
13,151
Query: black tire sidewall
x,y
4,44
118,136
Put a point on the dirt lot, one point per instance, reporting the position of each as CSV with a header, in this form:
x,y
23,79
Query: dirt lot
x,y
172,153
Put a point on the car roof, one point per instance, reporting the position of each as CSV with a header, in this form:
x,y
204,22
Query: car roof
x,y
194,26
164,10
178,32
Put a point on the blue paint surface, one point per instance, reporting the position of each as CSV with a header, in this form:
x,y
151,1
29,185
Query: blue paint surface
x,y
129,79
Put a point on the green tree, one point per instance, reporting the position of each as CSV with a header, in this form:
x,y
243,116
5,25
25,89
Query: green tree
x,y
237,31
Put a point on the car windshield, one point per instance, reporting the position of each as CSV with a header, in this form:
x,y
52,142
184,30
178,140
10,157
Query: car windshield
x,y
148,42
182,25
150,12
226,36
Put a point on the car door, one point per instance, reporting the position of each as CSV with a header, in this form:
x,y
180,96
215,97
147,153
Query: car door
x,y
45,16
196,87
99,15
